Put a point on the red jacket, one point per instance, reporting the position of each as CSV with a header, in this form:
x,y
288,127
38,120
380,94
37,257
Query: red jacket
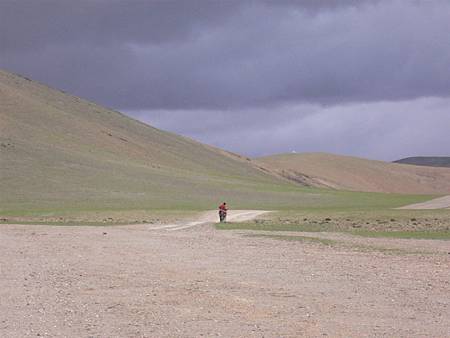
x,y
223,207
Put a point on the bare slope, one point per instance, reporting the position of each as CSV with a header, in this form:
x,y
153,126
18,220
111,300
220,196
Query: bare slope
x,y
59,151
437,203
357,174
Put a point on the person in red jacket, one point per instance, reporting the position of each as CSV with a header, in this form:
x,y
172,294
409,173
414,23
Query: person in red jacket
x,y
223,212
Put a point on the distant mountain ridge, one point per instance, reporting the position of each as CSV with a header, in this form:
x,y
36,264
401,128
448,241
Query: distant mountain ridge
x,y
427,161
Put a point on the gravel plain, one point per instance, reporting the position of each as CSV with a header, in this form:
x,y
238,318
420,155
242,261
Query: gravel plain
x,y
138,281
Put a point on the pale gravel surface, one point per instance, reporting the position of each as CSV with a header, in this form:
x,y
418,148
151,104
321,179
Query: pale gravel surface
x,y
207,217
132,281
437,203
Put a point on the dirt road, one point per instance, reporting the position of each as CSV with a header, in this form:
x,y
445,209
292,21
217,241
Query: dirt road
x,y
437,203
210,217
132,281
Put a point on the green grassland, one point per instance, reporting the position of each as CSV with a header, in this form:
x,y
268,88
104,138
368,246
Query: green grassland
x,y
63,158
340,244
381,222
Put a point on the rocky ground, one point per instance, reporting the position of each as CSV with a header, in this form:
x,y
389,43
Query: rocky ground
x,y
139,281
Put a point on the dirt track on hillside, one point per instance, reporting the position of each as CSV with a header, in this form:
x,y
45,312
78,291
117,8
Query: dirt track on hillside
x,y
437,203
132,281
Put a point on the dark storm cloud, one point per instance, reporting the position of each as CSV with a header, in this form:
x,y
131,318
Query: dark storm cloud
x,y
205,54
31,24
224,71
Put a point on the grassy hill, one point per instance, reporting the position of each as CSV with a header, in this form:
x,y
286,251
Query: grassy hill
x,y
428,161
60,154
60,150
357,174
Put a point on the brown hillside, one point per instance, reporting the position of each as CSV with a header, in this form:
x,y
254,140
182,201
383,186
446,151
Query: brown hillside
x,y
60,151
357,174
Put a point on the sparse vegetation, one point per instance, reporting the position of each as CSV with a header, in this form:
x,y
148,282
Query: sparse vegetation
x,y
382,223
323,241
346,245
433,234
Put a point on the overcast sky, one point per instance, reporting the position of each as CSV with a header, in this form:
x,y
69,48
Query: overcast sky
x,y
364,78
